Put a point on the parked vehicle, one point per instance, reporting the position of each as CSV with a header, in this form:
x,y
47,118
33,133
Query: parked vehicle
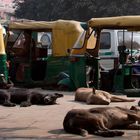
x,y
37,52
122,75
110,40
3,65
68,54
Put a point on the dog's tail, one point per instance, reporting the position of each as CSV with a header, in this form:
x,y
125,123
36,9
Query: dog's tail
x,y
109,133
116,98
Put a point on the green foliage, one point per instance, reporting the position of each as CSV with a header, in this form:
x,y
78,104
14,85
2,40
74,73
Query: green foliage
x,y
81,10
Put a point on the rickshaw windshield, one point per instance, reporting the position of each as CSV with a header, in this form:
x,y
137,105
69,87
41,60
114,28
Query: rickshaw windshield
x,y
80,41
13,38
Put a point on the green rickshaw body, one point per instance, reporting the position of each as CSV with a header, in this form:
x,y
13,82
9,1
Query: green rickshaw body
x,y
82,64
55,66
78,71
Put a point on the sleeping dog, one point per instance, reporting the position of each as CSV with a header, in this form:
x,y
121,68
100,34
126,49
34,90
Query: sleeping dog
x,y
100,121
25,97
98,97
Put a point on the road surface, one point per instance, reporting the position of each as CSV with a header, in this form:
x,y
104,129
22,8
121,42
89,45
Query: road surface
x,y
46,122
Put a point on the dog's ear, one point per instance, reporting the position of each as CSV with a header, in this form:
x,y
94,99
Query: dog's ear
x,y
136,108
93,90
58,95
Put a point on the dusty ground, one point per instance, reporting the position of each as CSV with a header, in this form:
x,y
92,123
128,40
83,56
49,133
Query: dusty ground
x,y
45,122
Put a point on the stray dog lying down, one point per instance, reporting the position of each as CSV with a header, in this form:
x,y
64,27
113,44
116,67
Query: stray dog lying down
x,y
101,121
98,97
25,97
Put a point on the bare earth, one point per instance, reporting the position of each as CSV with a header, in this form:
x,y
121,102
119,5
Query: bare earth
x,y
46,122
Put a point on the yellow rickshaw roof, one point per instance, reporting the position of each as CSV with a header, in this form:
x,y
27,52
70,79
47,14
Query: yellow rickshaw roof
x,y
62,24
126,22
2,47
64,32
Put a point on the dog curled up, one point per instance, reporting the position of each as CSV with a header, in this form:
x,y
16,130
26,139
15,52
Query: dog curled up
x,y
26,98
102,121
98,97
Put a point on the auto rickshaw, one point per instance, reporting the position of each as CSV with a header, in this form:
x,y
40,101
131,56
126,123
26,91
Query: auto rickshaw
x,y
123,76
38,51
3,66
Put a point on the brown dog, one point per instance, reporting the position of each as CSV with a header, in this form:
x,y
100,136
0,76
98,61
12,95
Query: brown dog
x,y
98,97
100,121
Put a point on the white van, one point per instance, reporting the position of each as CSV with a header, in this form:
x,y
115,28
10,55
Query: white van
x,y
111,39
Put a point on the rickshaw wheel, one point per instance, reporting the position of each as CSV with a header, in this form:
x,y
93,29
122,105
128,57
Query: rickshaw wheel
x,y
135,83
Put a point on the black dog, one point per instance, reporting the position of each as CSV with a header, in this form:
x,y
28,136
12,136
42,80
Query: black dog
x,y
100,121
25,97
